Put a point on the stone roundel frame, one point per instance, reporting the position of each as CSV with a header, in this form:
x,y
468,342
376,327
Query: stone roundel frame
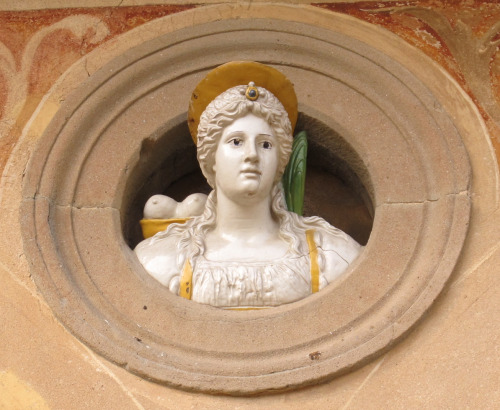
x,y
91,158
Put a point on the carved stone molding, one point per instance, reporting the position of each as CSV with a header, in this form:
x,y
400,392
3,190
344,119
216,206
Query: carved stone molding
x,y
126,120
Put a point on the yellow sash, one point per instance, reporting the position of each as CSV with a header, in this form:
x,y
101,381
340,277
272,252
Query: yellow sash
x,y
186,285
313,257
186,288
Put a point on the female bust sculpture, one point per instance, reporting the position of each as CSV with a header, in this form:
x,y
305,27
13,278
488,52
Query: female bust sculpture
x,y
246,249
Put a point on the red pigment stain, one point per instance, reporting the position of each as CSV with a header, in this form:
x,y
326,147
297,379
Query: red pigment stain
x,y
59,49
18,27
56,52
3,94
496,87
404,25
479,16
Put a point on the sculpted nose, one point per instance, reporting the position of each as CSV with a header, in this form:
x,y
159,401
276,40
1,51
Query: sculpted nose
x,y
251,153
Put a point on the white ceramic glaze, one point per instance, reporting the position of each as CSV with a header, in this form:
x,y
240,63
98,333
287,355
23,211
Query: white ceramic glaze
x,y
246,249
164,207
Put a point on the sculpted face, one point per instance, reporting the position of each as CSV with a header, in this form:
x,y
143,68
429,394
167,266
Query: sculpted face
x,y
245,235
246,160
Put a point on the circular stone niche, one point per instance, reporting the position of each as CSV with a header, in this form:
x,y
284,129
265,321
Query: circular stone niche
x,y
122,137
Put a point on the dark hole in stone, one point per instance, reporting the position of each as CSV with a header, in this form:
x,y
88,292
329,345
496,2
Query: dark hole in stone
x,y
333,190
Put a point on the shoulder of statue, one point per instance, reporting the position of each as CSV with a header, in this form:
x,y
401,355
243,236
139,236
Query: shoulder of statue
x,y
341,243
338,250
158,255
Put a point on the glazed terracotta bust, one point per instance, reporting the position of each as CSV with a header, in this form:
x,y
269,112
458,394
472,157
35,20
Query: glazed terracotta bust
x,y
246,250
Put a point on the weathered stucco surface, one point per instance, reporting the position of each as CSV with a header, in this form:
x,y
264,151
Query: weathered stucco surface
x,y
449,360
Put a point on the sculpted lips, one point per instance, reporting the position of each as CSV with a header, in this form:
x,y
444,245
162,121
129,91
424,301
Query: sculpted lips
x,y
250,172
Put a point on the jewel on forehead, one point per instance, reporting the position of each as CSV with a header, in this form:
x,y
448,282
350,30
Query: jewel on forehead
x,y
252,93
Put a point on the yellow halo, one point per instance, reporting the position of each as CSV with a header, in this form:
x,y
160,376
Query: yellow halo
x,y
236,73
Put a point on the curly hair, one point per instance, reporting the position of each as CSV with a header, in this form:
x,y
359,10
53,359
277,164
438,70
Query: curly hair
x,y
220,113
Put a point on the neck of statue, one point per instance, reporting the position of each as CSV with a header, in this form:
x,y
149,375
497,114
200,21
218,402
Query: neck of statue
x,y
248,220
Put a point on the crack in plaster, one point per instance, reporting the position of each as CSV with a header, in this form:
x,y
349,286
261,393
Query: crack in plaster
x,y
459,318
425,201
477,265
362,385
102,367
71,206
85,66
22,284
103,207
445,330
38,197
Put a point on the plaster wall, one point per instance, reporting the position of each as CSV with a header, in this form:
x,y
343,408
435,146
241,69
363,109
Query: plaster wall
x,y
450,360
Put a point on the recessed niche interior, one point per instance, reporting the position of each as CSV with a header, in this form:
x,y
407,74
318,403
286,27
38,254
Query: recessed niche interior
x,y
168,166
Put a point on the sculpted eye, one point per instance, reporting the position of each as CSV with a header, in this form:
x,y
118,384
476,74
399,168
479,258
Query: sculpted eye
x,y
267,145
237,142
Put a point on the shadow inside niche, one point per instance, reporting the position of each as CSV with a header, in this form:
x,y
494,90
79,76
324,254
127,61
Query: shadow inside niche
x,y
333,190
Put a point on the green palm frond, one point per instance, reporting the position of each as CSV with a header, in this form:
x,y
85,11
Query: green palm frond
x,y
294,178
